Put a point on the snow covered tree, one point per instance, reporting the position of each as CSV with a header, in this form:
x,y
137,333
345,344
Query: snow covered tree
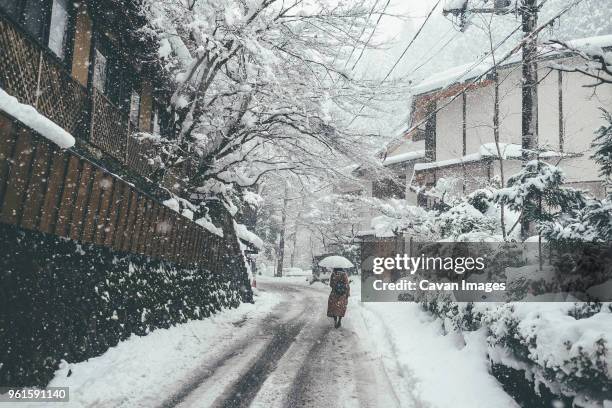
x,y
591,221
257,87
537,193
334,219
603,148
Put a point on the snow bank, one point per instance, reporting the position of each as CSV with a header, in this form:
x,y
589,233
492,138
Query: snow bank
x,y
142,371
30,117
441,371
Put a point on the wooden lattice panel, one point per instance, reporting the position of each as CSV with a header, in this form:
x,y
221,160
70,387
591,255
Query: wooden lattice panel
x,y
139,153
61,99
109,128
19,60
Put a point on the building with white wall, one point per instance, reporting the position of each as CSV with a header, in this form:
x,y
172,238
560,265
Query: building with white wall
x,y
454,114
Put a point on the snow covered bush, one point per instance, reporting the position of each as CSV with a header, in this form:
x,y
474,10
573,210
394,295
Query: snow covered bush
x,y
464,218
561,349
398,217
481,199
568,355
603,146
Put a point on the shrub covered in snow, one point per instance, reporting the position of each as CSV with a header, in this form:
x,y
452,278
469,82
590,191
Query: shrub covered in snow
x,y
464,218
564,347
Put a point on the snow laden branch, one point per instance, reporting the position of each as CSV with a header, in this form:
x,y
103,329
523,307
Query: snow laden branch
x,y
596,62
257,87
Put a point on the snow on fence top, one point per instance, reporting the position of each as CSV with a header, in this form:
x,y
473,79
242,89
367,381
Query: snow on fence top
x,y
186,209
509,151
246,235
30,117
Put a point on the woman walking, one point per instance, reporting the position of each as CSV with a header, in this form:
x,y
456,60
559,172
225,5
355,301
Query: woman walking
x,y
338,298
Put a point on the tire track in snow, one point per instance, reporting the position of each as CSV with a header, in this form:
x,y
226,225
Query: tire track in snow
x,y
243,392
235,376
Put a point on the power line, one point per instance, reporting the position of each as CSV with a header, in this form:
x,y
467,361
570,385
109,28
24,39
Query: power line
x,y
403,53
412,71
502,60
371,34
362,31
416,35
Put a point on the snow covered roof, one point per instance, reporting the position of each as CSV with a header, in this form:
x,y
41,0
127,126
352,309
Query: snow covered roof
x,y
509,151
466,72
445,163
451,76
30,117
404,157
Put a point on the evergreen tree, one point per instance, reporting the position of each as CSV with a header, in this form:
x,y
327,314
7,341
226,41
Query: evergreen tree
x,y
537,192
591,222
603,147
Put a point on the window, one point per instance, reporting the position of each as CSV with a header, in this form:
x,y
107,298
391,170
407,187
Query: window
x,y
45,20
113,76
59,26
156,128
35,18
135,108
99,78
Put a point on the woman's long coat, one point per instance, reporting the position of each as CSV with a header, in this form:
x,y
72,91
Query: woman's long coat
x,y
336,304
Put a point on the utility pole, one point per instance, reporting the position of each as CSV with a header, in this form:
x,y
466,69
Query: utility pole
x,y
529,121
529,12
528,9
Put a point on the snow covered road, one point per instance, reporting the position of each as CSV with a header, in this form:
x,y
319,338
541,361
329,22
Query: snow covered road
x,y
296,359
283,352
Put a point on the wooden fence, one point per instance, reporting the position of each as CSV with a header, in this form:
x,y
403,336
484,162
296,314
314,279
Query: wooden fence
x,y
55,191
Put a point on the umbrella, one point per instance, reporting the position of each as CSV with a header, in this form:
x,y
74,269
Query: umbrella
x,y
335,261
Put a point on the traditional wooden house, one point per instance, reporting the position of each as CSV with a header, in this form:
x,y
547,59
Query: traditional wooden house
x,y
86,68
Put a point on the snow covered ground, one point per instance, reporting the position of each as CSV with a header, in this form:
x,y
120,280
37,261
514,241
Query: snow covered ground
x,y
425,367
142,371
283,352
